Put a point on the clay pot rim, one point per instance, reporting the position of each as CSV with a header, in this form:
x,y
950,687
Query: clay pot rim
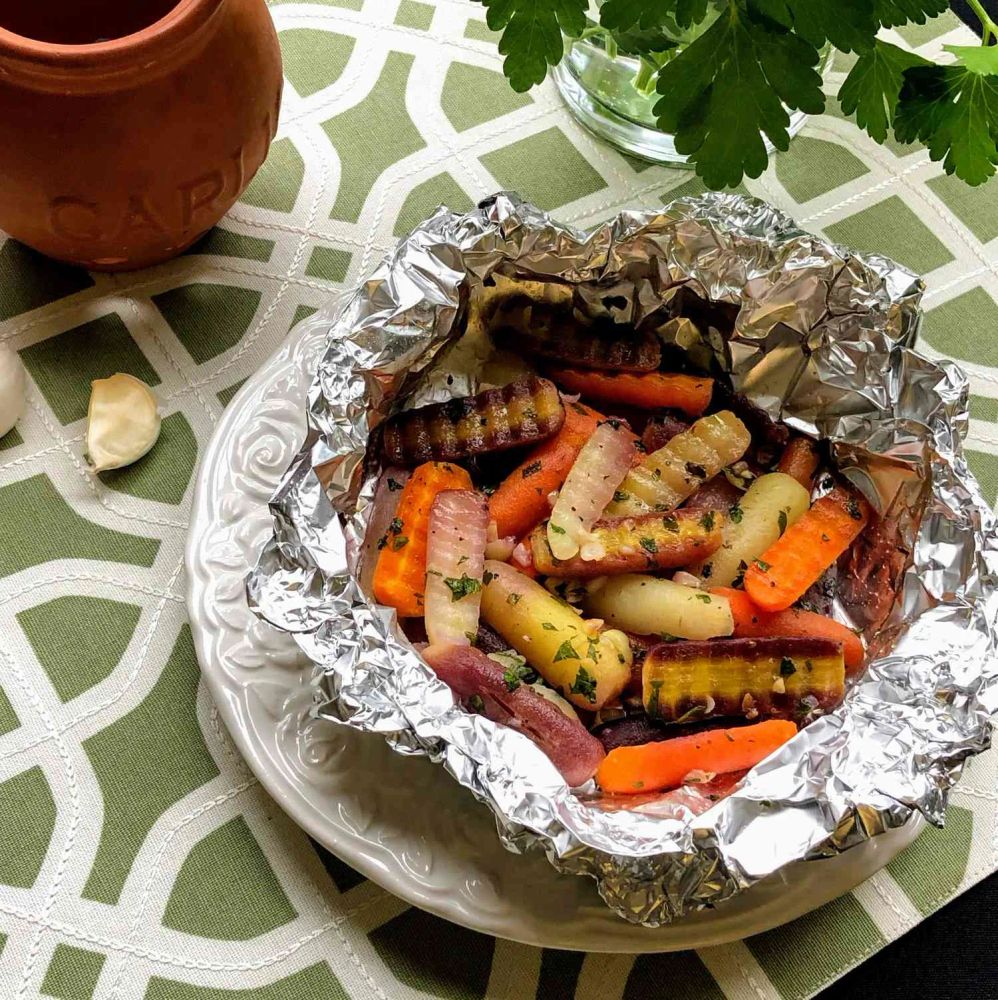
x,y
112,58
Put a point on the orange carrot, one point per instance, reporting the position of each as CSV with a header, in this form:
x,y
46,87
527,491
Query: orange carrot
x,y
400,576
806,549
647,390
521,501
751,622
800,460
663,765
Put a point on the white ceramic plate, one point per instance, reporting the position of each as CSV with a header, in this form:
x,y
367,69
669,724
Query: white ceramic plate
x,y
413,830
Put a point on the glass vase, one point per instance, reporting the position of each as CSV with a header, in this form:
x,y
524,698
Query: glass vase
x,y
612,95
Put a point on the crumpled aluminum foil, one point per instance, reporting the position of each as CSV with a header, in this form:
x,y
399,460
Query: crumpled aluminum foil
x,y
822,338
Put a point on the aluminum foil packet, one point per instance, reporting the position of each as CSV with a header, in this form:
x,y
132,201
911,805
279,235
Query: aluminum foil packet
x,y
816,336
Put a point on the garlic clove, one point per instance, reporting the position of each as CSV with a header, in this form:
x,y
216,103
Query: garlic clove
x,y
122,423
12,390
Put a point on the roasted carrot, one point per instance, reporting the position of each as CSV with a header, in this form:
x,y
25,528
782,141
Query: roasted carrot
x,y
806,549
521,501
751,622
400,576
663,765
800,460
648,390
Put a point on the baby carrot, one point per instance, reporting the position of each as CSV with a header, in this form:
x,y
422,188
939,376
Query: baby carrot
x,y
663,765
647,390
521,501
806,549
400,576
800,460
751,622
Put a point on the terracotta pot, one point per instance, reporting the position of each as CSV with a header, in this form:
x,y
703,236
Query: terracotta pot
x,y
127,129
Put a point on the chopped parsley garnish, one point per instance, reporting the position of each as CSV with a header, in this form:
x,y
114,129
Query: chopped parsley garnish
x,y
565,652
513,598
708,521
529,470
653,702
787,667
556,528
462,586
619,496
670,523
548,627
703,597
399,542
393,485
735,514
395,525
476,704
584,684
781,520
517,672
487,577
649,545
382,542
764,566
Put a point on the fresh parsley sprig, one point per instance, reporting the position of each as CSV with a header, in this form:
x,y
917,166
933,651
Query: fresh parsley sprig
x,y
728,72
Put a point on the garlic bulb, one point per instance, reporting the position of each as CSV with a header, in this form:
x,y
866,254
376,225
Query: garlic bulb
x,y
12,398
123,422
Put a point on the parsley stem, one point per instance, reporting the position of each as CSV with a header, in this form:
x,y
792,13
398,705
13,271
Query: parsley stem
x,y
989,29
644,79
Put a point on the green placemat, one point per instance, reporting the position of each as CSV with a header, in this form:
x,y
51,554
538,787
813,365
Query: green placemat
x,y
138,857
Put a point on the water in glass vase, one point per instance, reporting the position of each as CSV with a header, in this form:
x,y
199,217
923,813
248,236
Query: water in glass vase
x,y
613,95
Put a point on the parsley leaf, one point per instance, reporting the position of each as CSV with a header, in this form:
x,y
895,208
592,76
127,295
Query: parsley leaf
x,y
892,12
531,35
873,86
787,668
584,684
954,111
730,85
649,544
462,586
622,15
848,24
565,652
